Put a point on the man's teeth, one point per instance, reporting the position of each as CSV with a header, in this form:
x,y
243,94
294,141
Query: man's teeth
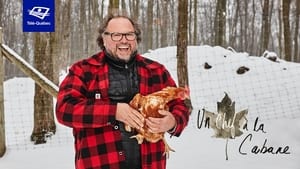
x,y
123,48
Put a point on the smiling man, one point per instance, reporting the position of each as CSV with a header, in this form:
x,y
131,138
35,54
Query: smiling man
x,y
93,100
120,42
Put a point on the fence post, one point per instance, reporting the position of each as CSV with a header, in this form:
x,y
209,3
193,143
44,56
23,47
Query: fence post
x,y
2,121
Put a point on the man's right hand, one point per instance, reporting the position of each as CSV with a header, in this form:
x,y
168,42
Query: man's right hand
x,y
129,116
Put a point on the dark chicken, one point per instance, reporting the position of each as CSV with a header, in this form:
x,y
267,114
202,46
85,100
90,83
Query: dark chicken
x,y
149,106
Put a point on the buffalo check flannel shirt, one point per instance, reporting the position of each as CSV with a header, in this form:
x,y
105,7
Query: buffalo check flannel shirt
x,y
83,104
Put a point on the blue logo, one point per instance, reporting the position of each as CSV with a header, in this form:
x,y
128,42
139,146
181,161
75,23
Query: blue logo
x,y
38,16
39,12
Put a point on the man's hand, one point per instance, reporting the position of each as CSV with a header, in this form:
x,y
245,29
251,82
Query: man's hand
x,y
129,116
159,125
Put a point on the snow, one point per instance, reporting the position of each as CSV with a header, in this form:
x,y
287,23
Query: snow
x,y
268,90
31,68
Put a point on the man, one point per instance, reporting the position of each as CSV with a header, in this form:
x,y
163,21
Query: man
x,y
93,100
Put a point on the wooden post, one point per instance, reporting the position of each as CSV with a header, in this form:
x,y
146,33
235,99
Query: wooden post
x,y
30,71
2,123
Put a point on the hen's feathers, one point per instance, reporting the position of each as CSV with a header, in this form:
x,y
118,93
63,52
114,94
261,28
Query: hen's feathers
x,y
149,106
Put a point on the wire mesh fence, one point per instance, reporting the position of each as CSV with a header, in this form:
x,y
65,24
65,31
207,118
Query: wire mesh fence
x,y
267,89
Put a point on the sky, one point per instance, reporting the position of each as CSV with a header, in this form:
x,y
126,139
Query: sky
x,y
268,90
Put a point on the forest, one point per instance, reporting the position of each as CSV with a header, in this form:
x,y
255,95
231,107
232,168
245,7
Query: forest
x,y
251,26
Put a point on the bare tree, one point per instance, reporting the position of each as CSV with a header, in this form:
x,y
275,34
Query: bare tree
x,y
182,39
9,21
246,24
173,18
55,39
252,45
195,22
190,28
280,27
123,6
1,12
296,35
149,32
220,21
63,29
43,102
78,41
233,22
113,6
241,27
47,48
286,29
164,23
157,24
2,120
265,27
134,6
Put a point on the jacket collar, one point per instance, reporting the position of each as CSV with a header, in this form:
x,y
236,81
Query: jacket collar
x,y
121,64
99,59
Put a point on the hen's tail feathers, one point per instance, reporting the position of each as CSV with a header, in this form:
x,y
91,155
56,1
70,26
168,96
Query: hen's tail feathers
x,y
139,138
167,148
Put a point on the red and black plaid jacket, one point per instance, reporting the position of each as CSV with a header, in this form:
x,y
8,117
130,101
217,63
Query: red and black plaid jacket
x,y
83,104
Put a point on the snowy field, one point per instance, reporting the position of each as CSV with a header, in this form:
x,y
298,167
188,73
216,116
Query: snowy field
x,y
267,89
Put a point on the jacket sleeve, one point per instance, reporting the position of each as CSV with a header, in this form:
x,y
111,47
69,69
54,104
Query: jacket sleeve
x,y
177,106
77,107
181,114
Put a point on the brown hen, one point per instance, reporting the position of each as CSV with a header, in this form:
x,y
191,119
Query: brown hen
x,y
149,106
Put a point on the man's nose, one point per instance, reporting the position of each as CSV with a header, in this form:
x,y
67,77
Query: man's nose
x,y
123,39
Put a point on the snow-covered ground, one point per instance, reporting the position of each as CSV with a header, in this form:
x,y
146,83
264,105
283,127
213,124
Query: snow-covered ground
x,y
267,89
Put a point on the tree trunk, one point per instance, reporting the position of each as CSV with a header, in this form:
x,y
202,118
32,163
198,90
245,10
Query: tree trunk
x,y
245,31
57,46
220,21
165,24
64,58
233,27
113,6
265,27
44,124
190,28
135,9
173,22
157,22
280,27
241,27
1,12
182,39
195,22
296,35
123,6
286,29
149,33
2,120
252,45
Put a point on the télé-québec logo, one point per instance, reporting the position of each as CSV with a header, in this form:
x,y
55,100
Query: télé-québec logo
x,y
38,15
39,12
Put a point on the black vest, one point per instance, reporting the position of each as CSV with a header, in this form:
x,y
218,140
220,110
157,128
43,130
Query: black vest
x,y
124,84
123,79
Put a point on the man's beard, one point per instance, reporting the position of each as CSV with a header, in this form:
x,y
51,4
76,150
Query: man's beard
x,y
118,58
